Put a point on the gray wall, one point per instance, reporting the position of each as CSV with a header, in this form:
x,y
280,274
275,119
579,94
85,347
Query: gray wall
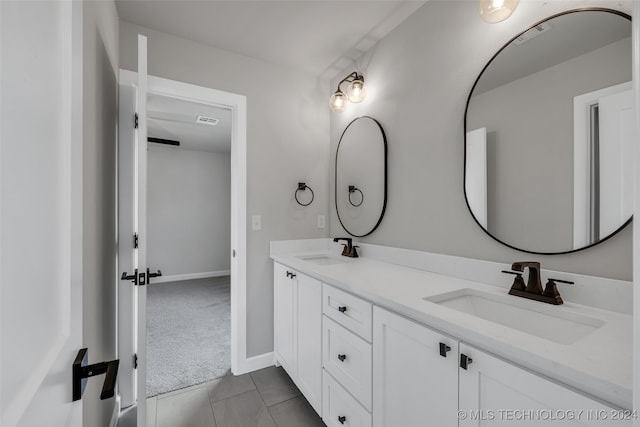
x,y
287,142
530,145
100,95
419,78
189,210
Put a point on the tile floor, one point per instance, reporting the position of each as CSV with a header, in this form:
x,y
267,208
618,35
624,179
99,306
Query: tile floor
x,y
265,398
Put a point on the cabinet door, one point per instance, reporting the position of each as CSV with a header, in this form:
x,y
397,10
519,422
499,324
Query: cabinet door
x,y
413,385
310,340
285,328
496,393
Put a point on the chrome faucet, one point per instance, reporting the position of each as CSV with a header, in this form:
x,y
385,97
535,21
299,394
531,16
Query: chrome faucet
x,y
349,249
533,288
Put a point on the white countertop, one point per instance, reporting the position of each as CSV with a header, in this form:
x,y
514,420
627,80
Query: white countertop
x,y
599,364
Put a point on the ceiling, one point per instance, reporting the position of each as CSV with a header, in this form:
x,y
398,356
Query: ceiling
x,y
319,37
568,36
175,119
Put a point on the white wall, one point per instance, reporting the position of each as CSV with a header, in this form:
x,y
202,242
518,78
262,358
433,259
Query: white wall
x,y
100,96
287,142
419,78
189,207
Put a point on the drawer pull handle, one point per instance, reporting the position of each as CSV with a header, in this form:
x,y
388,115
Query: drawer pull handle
x,y
444,349
342,357
465,361
342,309
342,419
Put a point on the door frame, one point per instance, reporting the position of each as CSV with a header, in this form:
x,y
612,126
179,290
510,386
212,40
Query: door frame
x,y
238,106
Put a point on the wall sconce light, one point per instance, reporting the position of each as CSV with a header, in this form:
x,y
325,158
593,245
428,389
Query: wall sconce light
x,y
494,11
356,91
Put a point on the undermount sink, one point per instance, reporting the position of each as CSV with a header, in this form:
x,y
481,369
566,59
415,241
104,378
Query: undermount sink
x,y
323,259
535,318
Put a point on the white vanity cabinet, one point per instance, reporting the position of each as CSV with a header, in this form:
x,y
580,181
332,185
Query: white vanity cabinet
x,y
415,374
496,393
298,330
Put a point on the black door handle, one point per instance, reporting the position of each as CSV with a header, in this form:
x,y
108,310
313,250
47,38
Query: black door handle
x,y
465,361
133,277
81,371
152,275
444,349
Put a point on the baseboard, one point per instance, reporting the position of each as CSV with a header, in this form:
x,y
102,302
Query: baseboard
x,y
256,362
116,413
190,276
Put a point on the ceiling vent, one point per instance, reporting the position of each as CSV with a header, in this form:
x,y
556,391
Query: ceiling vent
x,y
207,120
532,33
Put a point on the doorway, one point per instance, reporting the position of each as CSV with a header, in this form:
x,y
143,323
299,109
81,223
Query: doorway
x,y
188,228
128,344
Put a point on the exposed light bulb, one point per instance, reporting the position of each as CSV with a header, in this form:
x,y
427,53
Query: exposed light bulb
x,y
356,91
338,102
494,11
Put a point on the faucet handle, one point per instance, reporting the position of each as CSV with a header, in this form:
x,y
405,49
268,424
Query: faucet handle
x,y
551,291
518,281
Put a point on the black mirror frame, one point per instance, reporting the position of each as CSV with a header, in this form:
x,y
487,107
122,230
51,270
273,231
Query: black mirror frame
x,y
466,110
384,204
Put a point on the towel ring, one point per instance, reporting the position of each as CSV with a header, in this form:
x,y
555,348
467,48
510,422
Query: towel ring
x,y
353,189
301,187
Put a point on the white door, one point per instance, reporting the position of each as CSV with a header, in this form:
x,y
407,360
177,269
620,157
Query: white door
x,y
284,297
309,339
415,374
132,236
617,135
41,212
496,393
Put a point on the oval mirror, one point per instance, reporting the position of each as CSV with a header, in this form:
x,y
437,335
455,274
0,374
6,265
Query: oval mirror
x,y
549,133
361,176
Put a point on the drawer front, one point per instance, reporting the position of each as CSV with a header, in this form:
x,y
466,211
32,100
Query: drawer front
x,y
351,312
339,408
348,358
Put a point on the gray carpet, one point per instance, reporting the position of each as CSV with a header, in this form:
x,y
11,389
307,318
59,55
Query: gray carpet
x,y
188,333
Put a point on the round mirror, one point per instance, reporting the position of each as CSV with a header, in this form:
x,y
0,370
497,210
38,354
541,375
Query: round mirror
x,y
361,176
549,134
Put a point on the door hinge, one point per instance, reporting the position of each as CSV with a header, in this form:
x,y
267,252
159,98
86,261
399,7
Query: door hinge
x,y
135,240
135,361
135,120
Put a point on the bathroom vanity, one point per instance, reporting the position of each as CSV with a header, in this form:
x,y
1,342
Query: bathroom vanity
x,y
373,343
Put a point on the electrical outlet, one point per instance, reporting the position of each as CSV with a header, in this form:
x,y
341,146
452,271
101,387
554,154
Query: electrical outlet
x,y
320,221
256,222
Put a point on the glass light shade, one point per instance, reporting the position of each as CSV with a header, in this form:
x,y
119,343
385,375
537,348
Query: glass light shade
x,y
338,102
494,11
356,91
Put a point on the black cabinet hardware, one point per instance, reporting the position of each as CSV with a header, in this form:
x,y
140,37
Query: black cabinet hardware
x,y
81,371
152,275
291,274
444,349
465,361
288,274
342,419
342,357
342,309
133,277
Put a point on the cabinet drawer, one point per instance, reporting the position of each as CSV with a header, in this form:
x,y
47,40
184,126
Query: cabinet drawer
x,y
348,310
348,358
339,408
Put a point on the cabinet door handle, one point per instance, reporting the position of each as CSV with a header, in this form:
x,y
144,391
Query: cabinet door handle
x,y
342,357
293,275
444,349
342,419
465,361
288,274
342,309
